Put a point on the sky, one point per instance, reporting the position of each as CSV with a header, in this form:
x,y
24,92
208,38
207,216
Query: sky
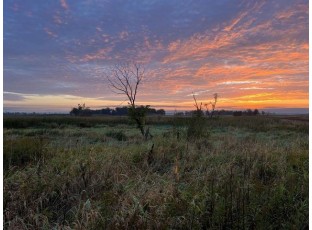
x,y
253,53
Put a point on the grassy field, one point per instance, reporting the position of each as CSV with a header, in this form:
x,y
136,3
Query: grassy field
x,y
98,173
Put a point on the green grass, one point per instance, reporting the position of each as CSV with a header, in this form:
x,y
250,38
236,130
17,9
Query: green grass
x,y
248,173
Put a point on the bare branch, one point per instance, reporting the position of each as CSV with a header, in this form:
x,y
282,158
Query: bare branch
x,y
125,79
196,105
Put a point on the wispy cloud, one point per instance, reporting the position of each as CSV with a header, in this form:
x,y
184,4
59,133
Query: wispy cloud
x,y
237,82
198,92
256,88
101,54
50,33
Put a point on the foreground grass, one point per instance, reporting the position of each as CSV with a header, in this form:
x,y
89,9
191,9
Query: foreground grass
x,y
249,173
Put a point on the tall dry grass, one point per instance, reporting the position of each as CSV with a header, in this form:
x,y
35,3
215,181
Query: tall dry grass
x,y
239,177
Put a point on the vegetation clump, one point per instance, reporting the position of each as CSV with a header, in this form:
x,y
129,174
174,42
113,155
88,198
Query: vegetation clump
x,y
198,124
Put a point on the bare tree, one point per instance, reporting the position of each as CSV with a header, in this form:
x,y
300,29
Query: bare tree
x,y
125,79
213,105
197,126
198,106
199,112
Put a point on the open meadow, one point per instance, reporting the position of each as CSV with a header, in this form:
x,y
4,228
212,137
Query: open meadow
x,y
66,172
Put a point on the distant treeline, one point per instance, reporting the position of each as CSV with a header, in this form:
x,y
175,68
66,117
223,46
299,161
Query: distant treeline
x,y
123,111
81,110
247,112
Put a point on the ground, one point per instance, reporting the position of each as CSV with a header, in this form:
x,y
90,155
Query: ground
x,y
99,173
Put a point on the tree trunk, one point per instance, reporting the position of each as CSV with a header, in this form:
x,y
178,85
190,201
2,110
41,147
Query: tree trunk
x,y
140,126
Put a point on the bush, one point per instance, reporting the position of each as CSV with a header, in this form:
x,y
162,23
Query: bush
x,y
197,128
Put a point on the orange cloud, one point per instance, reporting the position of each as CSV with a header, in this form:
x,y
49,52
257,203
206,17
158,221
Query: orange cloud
x,y
235,21
101,54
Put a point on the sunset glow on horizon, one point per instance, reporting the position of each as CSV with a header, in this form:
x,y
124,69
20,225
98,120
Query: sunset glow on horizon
x,y
254,54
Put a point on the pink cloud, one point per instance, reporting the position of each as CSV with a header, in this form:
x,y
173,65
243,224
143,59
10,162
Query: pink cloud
x,y
64,4
123,35
101,54
57,19
50,33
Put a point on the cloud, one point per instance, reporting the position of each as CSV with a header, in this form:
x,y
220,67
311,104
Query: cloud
x,y
247,33
198,92
50,33
123,35
257,88
10,96
237,82
64,4
235,21
101,54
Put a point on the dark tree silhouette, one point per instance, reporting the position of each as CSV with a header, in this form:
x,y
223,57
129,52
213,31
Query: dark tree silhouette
x,y
81,110
249,112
